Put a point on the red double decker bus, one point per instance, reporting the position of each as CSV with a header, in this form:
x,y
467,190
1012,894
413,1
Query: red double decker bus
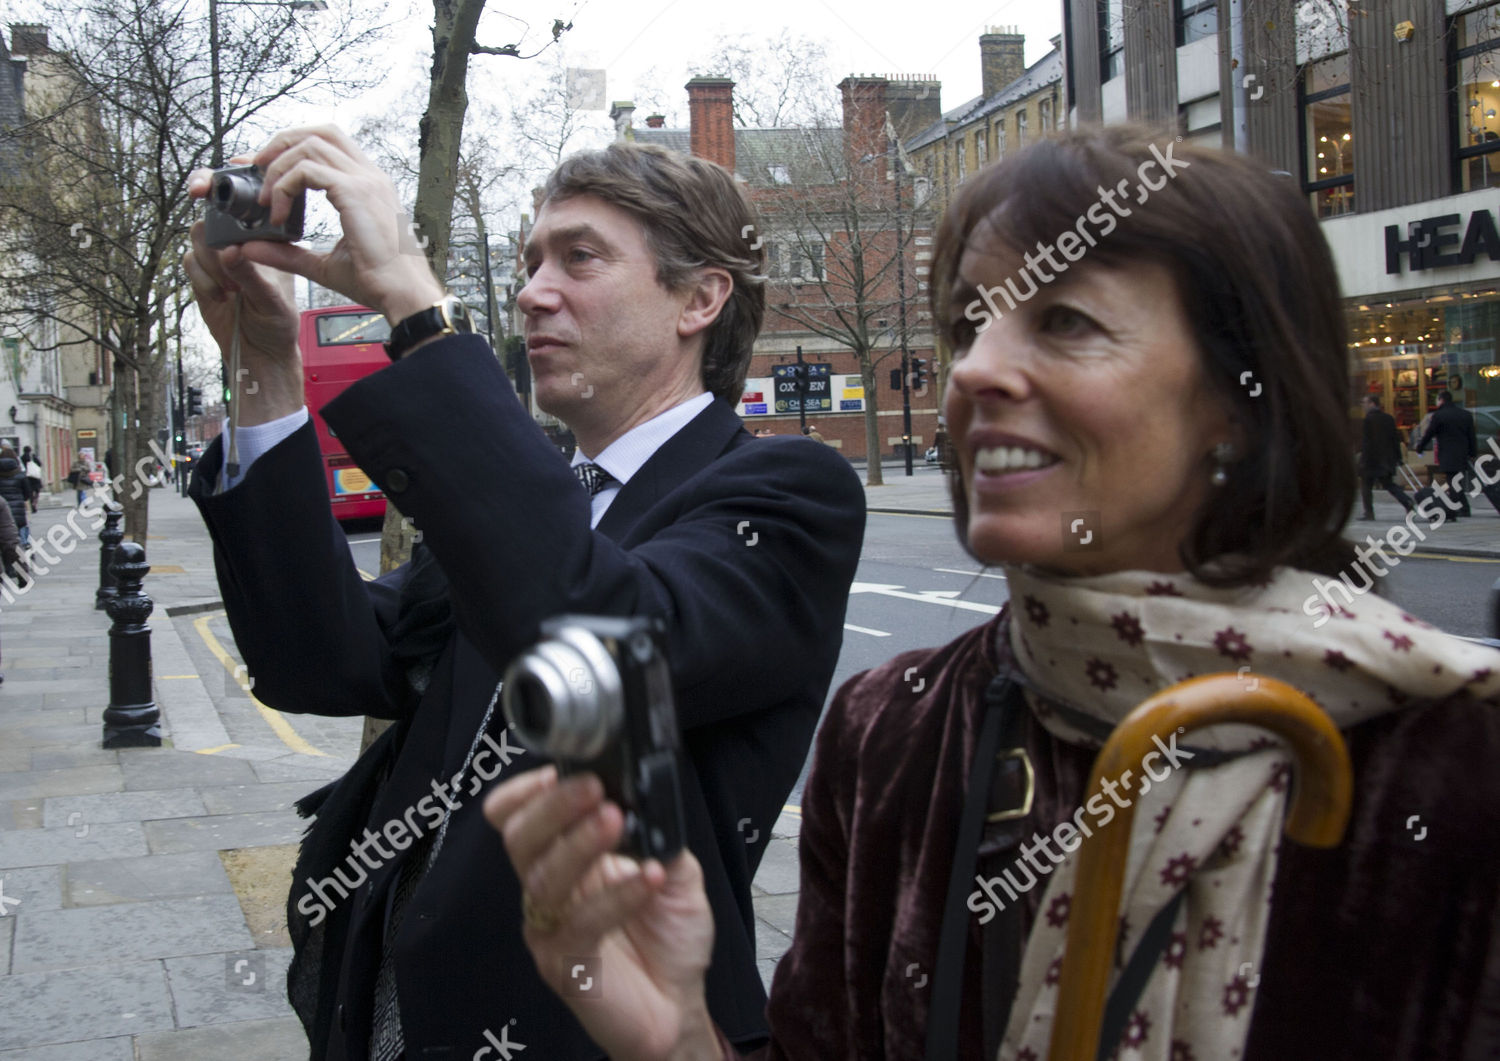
x,y
342,344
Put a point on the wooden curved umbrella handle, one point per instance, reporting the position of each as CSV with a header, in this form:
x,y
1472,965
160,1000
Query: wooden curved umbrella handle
x,y
1319,812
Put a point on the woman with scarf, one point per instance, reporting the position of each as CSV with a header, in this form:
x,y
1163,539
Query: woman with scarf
x,y
1147,403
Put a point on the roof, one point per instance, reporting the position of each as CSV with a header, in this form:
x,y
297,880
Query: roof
x,y
1045,71
12,114
758,153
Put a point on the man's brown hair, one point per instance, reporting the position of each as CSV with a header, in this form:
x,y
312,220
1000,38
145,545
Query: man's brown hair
x,y
694,216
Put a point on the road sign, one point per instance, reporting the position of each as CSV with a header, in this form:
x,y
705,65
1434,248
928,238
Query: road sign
x,y
789,398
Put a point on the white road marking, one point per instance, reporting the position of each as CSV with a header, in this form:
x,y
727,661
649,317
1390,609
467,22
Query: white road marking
x,y
866,630
929,596
956,571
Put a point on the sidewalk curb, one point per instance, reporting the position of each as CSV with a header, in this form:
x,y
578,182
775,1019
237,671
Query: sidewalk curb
x,y
193,608
188,715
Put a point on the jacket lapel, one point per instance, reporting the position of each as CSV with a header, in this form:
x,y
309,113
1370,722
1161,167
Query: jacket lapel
x,y
681,457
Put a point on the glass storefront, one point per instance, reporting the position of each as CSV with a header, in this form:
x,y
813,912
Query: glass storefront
x,y
1405,350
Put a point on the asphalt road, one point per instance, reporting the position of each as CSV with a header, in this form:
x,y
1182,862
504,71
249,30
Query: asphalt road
x,y
916,588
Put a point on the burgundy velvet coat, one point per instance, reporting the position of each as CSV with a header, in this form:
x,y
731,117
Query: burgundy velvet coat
x,y
1384,947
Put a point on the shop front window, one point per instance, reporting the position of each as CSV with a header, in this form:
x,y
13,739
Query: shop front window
x,y
1328,143
1476,72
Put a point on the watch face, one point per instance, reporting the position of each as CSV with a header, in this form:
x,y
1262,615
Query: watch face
x,y
458,315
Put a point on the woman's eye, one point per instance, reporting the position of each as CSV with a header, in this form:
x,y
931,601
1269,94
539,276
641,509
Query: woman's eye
x,y
1065,320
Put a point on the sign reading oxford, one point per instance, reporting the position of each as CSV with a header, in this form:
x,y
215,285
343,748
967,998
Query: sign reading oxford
x,y
1429,241
798,395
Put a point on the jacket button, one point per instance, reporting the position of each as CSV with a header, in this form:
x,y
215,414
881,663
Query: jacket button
x,y
396,481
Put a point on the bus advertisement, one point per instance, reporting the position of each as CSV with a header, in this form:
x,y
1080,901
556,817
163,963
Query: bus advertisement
x,y
341,345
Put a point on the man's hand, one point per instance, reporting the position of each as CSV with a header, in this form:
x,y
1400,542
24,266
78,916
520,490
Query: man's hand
x,y
268,321
376,261
646,929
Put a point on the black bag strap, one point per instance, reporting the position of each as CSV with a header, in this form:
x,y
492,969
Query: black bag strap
x,y
948,978
1132,982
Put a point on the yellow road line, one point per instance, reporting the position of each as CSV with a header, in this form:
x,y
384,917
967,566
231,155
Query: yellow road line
x,y
1420,555
215,751
365,574
275,719
790,809
173,677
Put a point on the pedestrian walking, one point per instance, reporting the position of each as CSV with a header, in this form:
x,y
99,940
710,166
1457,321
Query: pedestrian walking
x,y
10,549
15,491
78,477
1379,454
1452,432
33,475
811,431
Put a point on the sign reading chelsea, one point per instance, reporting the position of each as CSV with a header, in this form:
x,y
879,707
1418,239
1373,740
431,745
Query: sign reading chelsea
x,y
1434,242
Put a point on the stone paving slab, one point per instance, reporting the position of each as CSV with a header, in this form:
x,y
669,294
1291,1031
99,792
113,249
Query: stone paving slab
x,y
33,784
76,1005
7,930
231,987
265,1040
140,806
50,735
778,872
38,888
13,759
129,880
53,847
120,1049
269,796
20,814
325,770
62,939
222,832
164,768
69,758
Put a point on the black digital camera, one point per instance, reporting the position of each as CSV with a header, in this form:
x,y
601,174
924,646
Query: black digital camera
x,y
235,216
595,695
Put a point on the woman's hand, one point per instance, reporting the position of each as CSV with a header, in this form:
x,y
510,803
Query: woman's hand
x,y
645,930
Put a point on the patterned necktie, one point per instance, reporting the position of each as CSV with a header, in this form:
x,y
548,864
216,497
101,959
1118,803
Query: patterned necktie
x,y
593,477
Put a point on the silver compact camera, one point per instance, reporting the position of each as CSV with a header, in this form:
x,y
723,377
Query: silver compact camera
x,y
595,695
235,216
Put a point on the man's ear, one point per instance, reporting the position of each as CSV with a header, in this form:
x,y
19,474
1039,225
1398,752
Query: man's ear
x,y
711,288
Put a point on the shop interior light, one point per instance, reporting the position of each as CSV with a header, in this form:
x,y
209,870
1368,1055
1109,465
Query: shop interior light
x,y
1490,371
1346,136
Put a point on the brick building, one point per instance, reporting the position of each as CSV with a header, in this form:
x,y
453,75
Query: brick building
x,y
1016,105
835,208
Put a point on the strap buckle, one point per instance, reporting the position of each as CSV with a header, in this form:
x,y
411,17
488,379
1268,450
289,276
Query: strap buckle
x,y
1030,793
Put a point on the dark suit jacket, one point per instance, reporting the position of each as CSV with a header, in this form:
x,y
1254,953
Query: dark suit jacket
x,y
1453,427
745,547
1380,448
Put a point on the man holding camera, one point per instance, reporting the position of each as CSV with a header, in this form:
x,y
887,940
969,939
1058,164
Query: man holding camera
x,y
642,304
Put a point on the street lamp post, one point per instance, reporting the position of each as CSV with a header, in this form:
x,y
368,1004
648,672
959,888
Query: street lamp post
x,y
895,157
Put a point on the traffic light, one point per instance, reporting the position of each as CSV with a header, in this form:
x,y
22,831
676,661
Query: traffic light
x,y
918,373
195,401
895,379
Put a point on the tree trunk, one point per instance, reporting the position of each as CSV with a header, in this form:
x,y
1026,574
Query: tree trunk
x,y
874,475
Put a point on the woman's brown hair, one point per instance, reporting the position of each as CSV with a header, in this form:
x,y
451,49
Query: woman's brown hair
x,y
1258,284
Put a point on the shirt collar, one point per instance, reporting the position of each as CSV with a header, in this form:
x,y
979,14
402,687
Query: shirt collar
x,y
627,454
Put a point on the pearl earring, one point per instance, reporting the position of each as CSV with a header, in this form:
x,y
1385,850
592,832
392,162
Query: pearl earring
x,y
1223,453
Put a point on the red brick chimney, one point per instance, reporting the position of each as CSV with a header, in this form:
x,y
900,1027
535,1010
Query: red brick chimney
x,y
864,117
655,121
711,119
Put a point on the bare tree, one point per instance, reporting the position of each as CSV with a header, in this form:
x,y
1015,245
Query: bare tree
x,y
780,81
839,246
118,114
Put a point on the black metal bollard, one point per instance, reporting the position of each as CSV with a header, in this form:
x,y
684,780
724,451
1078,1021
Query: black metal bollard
x,y
131,720
109,538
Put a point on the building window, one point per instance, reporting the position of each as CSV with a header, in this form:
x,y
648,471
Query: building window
x,y
1044,116
779,174
1476,61
794,259
1196,19
1020,129
981,149
1000,136
1111,40
958,160
1328,146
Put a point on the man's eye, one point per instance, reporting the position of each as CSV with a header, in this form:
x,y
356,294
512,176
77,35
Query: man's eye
x,y
579,254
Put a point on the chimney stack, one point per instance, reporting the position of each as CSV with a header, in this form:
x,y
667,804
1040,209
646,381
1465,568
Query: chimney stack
x,y
915,102
655,121
1002,58
619,113
864,117
711,119
28,38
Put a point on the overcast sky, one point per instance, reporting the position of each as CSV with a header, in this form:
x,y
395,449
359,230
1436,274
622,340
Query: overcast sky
x,y
628,39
